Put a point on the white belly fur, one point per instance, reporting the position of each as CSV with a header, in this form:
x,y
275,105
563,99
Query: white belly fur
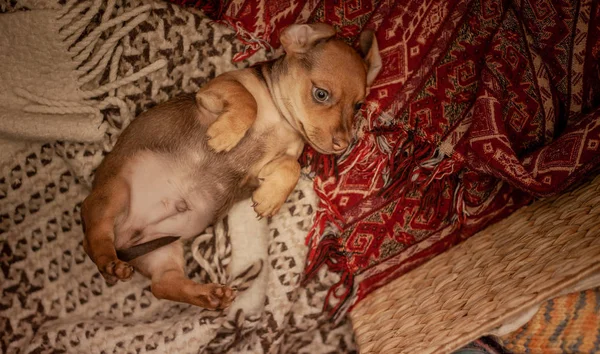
x,y
159,190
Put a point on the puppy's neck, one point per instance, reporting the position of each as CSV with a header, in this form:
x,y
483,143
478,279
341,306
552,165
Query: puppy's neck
x,y
269,72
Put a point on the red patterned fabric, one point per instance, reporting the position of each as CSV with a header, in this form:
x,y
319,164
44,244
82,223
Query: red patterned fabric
x,y
481,106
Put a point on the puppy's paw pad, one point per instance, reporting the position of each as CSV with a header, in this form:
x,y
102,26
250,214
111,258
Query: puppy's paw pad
x,y
226,295
109,279
123,271
116,269
219,297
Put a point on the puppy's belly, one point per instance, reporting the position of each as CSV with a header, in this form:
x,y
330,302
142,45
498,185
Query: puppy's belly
x,y
165,199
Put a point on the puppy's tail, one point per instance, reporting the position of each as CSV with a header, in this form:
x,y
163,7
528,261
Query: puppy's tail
x,y
133,252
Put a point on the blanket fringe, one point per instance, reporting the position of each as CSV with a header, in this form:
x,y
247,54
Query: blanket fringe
x,y
91,57
327,252
212,251
414,164
419,166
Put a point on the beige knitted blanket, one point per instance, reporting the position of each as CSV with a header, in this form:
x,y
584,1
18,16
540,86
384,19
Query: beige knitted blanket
x,y
72,76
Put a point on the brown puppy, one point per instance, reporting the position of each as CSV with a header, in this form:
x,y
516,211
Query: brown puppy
x,y
179,166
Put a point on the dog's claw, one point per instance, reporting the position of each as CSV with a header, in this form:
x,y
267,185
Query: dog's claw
x,y
268,200
254,204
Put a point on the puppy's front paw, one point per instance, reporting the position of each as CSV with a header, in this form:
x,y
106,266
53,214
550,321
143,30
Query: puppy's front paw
x,y
224,136
115,270
267,201
213,296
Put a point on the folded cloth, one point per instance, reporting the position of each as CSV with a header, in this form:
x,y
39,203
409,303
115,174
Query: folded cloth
x,y
481,106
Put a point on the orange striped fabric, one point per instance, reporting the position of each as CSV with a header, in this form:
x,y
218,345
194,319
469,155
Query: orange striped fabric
x,y
567,324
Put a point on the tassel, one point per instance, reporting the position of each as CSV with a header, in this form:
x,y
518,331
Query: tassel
x,y
328,247
90,62
404,165
343,297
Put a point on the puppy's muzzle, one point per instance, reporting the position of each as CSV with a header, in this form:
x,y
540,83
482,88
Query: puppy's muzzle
x,y
340,145
340,141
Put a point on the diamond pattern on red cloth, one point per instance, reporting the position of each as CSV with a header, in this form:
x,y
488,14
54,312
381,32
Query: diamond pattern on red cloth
x,y
481,106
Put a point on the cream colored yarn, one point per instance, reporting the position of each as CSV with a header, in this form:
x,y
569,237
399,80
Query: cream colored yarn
x,y
49,72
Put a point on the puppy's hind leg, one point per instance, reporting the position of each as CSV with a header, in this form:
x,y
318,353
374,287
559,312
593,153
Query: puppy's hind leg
x,y
165,267
98,214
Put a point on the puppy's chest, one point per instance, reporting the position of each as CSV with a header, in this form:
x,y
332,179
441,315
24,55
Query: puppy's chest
x,y
275,134
258,148
279,140
269,128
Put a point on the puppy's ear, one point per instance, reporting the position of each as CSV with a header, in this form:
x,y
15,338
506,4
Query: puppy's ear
x,y
370,53
300,38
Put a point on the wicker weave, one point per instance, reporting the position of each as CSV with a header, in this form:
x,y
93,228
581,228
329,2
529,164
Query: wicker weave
x,y
471,289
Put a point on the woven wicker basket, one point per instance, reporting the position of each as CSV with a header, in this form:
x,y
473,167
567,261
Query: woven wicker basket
x,y
467,292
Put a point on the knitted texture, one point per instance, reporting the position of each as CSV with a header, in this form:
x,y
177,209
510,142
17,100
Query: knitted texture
x,y
566,324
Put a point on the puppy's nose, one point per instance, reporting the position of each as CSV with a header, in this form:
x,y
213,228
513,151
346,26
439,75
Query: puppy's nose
x,y
340,144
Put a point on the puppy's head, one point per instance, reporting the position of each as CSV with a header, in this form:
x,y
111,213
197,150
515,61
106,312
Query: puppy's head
x,y
323,82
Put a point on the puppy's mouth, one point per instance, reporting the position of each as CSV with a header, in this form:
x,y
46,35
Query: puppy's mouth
x,y
316,147
312,143
303,130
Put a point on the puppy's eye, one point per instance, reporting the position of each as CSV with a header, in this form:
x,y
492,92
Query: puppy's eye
x,y
358,106
320,95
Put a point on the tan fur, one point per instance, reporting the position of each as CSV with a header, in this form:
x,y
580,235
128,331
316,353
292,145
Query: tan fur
x,y
179,166
346,85
226,96
279,177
